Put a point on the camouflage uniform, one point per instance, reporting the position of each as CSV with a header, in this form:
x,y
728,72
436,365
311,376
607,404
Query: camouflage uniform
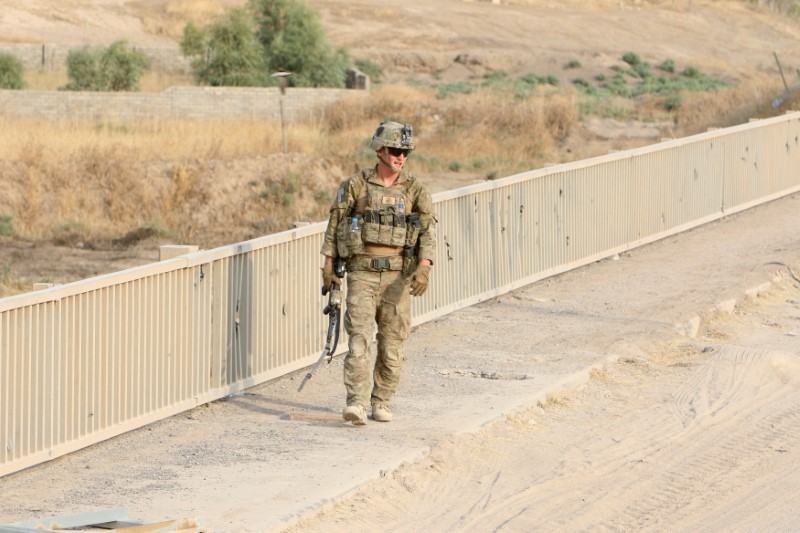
x,y
396,230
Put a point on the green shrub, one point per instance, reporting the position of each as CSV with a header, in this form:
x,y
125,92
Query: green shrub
x,y
323,197
631,59
639,80
422,160
617,86
293,39
272,190
667,65
479,163
293,183
83,68
11,72
690,72
581,83
116,68
267,36
641,70
533,79
574,63
123,66
6,226
226,53
499,75
673,102
442,91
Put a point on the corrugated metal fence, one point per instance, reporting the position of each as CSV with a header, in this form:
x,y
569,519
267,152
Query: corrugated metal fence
x,y
82,362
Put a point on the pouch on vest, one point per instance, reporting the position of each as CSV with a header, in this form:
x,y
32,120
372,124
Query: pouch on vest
x,y
349,242
385,227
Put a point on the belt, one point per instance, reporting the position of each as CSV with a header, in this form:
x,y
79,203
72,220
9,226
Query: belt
x,y
374,264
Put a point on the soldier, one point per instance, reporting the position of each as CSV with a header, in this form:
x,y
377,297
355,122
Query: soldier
x,y
382,223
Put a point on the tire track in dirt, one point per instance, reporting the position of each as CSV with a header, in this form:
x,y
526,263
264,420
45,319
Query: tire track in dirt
x,y
695,436
737,387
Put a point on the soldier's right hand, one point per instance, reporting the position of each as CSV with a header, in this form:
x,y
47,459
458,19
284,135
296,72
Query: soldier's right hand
x,y
329,278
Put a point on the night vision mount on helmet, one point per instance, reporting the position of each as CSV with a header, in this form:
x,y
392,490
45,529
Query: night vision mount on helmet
x,y
393,135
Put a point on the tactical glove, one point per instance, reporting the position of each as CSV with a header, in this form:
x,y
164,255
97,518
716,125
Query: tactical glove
x,y
329,278
419,281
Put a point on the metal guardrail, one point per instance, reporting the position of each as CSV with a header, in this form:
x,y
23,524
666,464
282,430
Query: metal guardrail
x,y
89,360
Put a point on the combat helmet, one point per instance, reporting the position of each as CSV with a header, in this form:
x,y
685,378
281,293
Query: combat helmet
x,y
393,135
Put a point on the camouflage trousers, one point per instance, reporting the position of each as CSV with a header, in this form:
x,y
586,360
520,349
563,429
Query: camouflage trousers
x,y
382,299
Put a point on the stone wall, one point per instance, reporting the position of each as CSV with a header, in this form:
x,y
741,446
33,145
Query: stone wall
x,y
176,102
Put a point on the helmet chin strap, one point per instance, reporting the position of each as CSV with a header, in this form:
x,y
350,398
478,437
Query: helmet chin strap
x,y
381,155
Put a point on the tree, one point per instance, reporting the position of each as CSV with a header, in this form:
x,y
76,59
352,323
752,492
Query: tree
x,y
293,40
226,53
123,67
11,72
116,68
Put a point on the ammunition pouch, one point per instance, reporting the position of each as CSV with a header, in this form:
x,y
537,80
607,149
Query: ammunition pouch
x,y
384,227
410,254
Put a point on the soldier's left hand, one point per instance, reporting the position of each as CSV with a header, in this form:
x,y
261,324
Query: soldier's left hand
x,y
329,278
419,281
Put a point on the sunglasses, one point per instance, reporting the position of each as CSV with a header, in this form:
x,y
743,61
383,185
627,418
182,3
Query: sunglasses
x,y
397,152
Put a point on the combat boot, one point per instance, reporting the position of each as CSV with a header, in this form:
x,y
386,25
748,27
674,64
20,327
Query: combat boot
x,y
381,412
357,414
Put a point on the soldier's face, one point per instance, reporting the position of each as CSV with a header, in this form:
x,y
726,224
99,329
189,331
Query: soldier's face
x,y
394,158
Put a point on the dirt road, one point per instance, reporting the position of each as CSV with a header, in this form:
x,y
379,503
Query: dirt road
x,y
643,393
688,436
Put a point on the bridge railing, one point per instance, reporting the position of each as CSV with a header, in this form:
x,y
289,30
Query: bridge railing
x,y
89,360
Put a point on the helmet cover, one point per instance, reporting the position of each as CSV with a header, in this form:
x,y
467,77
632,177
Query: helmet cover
x,y
393,135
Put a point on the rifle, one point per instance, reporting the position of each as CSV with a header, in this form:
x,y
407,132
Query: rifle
x,y
334,311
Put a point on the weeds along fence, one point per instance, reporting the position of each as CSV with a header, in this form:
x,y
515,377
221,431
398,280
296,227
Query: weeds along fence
x,y
85,361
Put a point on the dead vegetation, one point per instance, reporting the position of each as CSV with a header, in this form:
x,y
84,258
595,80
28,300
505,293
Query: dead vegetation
x,y
211,183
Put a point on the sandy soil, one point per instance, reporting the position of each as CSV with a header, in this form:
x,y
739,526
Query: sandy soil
x,y
644,393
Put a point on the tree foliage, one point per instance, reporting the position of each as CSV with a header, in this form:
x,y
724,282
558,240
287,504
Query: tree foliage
x,y
269,36
11,72
293,39
226,53
116,68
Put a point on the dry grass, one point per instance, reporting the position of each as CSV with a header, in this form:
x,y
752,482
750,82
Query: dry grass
x,y
152,81
727,107
45,80
216,182
135,141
